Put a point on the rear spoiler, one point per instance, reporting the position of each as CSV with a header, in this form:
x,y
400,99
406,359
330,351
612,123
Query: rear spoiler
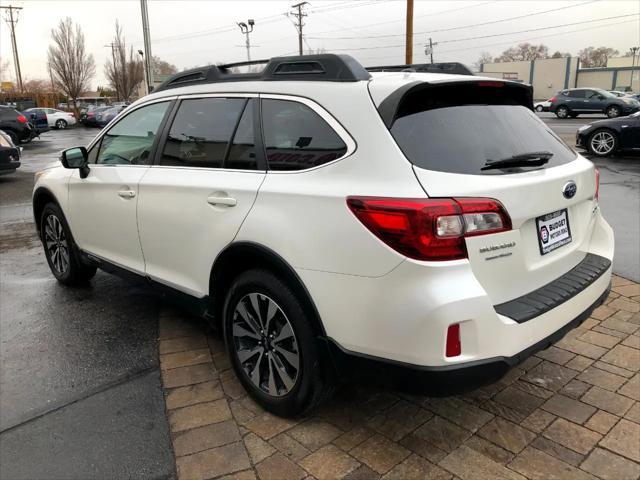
x,y
452,68
390,106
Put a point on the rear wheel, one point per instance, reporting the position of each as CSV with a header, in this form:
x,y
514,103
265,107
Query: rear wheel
x,y
613,111
61,124
539,108
562,112
271,344
603,143
60,249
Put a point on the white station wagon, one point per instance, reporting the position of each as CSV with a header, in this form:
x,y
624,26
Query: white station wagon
x,y
426,229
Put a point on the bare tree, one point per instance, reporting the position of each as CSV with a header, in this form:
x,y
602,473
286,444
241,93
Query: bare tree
x,y
559,54
36,86
596,57
124,72
524,51
485,57
160,67
71,67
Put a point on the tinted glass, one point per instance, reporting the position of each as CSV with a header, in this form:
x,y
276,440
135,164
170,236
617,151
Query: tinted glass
x,y
242,153
576,94
201,132
435,135
129,141
296,137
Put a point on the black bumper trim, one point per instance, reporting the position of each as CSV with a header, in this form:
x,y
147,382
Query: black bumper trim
x,y
555,293
438,380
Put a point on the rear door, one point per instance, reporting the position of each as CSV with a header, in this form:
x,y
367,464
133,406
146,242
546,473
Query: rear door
x,y
451,133
203,184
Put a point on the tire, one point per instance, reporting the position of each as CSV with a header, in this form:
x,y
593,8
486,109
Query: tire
x,y
60,249
613,111
602,143
539,108
562,112
266,366
61,124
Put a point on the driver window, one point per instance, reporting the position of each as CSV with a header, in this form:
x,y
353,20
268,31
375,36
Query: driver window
x,y
130,140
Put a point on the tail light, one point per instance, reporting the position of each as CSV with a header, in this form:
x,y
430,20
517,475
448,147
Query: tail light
x,y
597,194
71,114
22,119
430,229
553,99
90,114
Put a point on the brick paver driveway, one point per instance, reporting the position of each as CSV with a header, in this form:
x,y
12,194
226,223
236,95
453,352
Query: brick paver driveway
x,y
570,412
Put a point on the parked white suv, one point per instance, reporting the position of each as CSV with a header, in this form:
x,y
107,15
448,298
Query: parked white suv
x,y
426,228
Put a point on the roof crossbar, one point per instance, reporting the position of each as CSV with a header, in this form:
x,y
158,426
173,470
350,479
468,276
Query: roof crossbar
x,y
324,67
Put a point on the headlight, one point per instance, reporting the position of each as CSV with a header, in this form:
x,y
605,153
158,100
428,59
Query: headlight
x,y
584,127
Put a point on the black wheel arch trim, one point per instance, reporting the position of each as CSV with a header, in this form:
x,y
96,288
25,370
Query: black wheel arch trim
x,y
38,205
220,280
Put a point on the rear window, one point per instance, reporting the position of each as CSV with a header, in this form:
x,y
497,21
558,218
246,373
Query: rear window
x,y
461,129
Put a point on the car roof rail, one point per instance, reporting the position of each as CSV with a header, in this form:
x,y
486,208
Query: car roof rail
x,y
455,68
326,67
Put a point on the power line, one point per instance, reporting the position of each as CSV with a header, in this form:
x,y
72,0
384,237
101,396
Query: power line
x,y
461,27
11,21
496,34
300,14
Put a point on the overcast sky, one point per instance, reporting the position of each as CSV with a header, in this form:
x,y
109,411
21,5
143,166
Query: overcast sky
x,y
192,33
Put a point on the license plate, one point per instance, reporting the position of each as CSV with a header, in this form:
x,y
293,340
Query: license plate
x,y
553,231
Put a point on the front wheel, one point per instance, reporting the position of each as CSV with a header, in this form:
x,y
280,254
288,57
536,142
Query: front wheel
x,y
60,249
603,143
562,112
539,108
613,111
61,124
271,344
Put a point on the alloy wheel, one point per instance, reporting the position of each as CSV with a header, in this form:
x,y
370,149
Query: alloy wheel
x,y
613,112
56,244
602,143
562,112
61,124
265,344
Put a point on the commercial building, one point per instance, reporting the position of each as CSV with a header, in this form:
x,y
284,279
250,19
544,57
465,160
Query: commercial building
x,y
550,75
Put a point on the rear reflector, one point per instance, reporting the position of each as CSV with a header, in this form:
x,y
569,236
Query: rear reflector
x,y
430,229
454,346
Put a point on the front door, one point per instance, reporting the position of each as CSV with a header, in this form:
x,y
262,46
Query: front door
x,y
204,183
595,101
102,206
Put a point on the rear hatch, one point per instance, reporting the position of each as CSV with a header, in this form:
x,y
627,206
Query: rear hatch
x,y
480,138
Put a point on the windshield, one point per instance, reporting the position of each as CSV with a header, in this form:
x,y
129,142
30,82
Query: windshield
x,y
464,138
604,93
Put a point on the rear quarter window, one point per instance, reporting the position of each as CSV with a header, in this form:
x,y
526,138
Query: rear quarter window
x,y
458,129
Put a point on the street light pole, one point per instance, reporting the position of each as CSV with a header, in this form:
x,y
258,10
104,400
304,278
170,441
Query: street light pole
x,y
633,64
246,30
147,45
144,71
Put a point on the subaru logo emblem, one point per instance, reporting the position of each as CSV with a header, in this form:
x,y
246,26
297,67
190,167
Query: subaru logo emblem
x,y
569,190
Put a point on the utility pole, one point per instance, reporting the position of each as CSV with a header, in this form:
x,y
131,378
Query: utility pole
x,y
11,21
246,30
148,56
408,42
299,25
633,64
428,49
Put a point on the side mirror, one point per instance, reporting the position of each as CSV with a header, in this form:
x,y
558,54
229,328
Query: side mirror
x,y
76,157
600,97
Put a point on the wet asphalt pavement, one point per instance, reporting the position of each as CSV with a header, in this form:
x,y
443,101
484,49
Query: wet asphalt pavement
x,y
80,393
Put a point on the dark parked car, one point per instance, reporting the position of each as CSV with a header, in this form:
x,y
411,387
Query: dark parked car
x,y
38,119
606,137
90,116
105,116
572,102
9,154
16,125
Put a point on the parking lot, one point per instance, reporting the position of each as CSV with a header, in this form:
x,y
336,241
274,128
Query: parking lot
x,y
107,381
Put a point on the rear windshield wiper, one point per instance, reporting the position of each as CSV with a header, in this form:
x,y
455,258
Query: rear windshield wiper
x,y
530,159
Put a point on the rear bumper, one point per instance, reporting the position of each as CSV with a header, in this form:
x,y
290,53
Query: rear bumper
x,y
441,380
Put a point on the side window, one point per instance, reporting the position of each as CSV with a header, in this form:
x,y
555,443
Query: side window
x,y
201,132
242,152
296,137
577,94
130,140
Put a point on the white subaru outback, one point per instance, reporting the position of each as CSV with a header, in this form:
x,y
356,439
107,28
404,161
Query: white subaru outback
x,y
423,228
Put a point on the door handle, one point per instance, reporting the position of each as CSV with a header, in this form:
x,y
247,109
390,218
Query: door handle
x,y
227,201
126,193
